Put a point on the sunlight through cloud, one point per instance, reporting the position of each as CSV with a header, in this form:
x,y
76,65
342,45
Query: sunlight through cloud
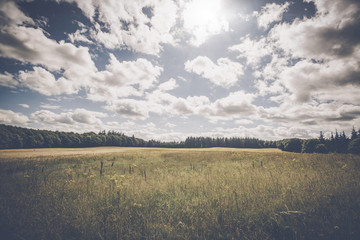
x,y
203,18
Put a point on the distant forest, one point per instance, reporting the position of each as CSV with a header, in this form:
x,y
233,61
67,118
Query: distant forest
x,y
17,137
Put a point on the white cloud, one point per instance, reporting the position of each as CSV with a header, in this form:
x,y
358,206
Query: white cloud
x,y
141,72
202,19
27,44
236,104
325,36
312,116
272,70
315,60
124,24
170,125
7,80
20,39
44,82
124,79
134,109
224,73
49,106
195,105
12,14
244,122
252,50
24,105
270,13
168,85
13,118
79,36
306,77
70,119
266,88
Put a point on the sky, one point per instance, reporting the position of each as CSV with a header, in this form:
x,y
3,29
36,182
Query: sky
x,y
169,69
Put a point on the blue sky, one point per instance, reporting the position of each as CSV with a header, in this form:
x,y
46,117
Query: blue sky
x,y
168,69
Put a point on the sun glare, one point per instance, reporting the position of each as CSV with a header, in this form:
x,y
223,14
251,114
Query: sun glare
x,y
203,18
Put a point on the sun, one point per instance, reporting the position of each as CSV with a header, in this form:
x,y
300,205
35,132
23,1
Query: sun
x,y
203,18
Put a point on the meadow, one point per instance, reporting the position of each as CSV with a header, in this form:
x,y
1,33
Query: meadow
x,y
149,193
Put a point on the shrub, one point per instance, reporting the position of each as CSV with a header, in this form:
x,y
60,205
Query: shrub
x,y
292,145
354,146
321,148
309,145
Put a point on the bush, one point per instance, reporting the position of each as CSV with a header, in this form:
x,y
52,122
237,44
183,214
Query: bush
x,y
354,146
292,145
321,148
309,145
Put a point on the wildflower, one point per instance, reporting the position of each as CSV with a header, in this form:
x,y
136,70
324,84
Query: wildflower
x,y
122,176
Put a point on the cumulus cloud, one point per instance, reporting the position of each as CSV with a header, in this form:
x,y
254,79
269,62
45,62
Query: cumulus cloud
x,y
270,13
49,106
124,79
22,40
223,73
314,58
327,35
202,19
70,118
252,50
79,36
24,105
192,105
168,85
244,122
13,118
312,116
8,80
27,44
236,104
72,65
125,24
134,109
11,14
306,77
44,82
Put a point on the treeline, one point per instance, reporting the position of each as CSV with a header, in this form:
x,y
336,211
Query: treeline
x,y
234,142
337,143
18,137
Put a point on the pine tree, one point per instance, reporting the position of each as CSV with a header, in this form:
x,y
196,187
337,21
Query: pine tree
x,y
321,138
353,134
332,143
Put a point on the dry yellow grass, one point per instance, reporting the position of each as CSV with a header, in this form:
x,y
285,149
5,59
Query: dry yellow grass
x,y
217,193
43,152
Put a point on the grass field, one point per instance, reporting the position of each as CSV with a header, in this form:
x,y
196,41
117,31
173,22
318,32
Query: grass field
x,y
217,193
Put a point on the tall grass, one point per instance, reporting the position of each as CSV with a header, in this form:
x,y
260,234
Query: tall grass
x,y
181,194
